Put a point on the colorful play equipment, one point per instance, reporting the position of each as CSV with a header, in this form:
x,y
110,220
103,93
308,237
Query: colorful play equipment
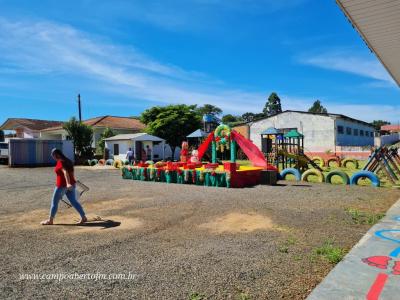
x,y
193,171
386,161
345,178
345,162
375,181
313,172
286,150
290,171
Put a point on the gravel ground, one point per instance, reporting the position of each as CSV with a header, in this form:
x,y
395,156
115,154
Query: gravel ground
x,y
178,240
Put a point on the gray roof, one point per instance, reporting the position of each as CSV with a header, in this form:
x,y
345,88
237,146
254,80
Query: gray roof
x,y
144,137
197,134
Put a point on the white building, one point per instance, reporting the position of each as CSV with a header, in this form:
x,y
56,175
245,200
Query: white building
x,y
322,132
119,145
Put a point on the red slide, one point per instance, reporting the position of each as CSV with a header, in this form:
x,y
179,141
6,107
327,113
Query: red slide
x,y
204,146
252,152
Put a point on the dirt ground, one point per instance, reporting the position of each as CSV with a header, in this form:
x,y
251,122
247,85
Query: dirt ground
x,y
179,241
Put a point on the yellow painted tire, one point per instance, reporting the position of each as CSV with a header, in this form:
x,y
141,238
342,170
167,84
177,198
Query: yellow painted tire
x,y
319,161
352,160
318,173
118,164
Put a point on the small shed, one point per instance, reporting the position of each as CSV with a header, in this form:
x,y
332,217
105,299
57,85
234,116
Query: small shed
x,y
119,145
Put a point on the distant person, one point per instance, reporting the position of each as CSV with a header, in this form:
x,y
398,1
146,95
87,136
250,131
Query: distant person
x,y
143,157
130,156
65,185
148,152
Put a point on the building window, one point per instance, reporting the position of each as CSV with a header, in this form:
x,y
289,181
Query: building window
x,y
371,133
340,129
367,133
348,130
116,149
361,132
356,132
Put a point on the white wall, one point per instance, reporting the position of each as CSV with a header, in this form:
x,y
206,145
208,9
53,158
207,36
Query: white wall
x,y
387,139
318,130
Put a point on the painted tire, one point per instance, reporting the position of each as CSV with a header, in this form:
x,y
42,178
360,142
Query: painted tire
x,y
118,164
292,171
318,173
94,162
347,160
102,162
320,160
375,181
109,162
343,175
335,159
125,162
87,162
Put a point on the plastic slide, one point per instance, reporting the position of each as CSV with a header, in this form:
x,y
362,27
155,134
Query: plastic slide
x,y
252,152
204,146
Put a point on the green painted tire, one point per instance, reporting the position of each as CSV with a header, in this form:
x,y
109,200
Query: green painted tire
x,y
343,175
319,161
318,173
352,160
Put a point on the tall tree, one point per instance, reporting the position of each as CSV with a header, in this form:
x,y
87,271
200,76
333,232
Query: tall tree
x,y
172,123
250,117
317,108
208,109
273,105
231,119
1,136
81,136
101,143
379,123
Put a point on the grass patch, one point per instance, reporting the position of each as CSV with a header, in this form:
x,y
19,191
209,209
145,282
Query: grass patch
x,y
362,218
197,296
330,252
243,296
284,248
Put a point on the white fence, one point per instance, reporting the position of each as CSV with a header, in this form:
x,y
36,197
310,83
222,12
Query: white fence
x,y
387,139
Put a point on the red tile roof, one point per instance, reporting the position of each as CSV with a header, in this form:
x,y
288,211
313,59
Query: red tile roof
x,y
32,124
390,128
111,122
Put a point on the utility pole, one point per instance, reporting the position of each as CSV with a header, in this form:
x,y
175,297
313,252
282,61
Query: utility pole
x,y
79,108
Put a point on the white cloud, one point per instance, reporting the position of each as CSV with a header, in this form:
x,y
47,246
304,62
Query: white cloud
x,y
51,48
348,62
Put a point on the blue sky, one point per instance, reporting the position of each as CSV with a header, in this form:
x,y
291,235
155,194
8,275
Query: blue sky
x,y
126,56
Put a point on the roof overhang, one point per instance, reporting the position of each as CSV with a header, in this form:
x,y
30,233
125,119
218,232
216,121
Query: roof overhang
x,y
378,23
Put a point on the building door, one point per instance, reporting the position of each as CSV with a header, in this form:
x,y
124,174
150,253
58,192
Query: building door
x,y
116,149
138,150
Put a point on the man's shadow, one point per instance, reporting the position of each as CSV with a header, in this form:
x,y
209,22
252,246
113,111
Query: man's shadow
x,y
97,222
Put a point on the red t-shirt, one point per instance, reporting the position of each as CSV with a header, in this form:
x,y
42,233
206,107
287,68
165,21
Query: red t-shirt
x,y
60,180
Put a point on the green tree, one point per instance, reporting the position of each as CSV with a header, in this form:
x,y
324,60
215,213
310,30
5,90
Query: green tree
x,y
81,136
226,119
208,109
101,143
172,123
273,105
1,136
379,123
318,108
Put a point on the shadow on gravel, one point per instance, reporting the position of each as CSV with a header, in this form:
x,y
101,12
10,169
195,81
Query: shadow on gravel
x,y
104,224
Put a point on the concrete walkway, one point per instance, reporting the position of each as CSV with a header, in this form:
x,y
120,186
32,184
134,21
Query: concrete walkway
x,y
372,268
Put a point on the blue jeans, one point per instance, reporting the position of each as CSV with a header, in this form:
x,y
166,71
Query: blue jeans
x,y
59,192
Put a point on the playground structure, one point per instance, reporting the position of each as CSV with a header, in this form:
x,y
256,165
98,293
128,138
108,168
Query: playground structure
x,y
286,150
193,171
